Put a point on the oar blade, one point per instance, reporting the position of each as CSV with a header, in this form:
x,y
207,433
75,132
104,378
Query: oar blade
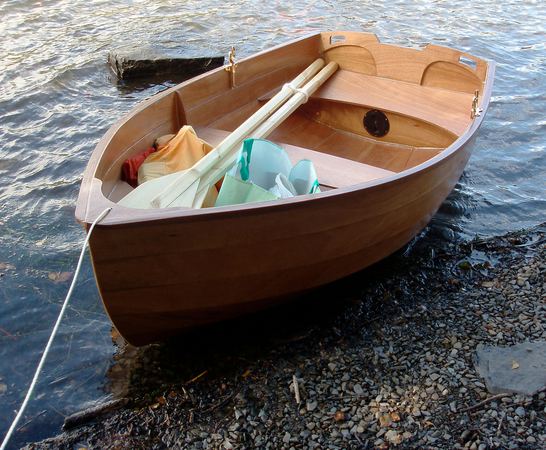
x,y
142,197
185,198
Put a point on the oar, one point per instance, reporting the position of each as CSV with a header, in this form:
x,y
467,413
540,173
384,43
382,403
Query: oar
x,y
161,192
195,195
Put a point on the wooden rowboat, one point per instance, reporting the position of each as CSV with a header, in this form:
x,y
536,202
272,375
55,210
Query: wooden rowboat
x,y
388,134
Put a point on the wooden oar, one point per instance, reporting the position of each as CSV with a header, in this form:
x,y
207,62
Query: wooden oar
x,y
195,196
162,191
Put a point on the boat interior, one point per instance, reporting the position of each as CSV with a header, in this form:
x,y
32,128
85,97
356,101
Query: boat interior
x,y
386,109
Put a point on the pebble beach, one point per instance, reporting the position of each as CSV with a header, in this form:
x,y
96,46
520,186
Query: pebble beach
x,y
391,364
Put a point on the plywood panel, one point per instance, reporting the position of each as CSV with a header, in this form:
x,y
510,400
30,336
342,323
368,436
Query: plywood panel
x,y
447,75
301,52
218,106
420,155
353,58
402,129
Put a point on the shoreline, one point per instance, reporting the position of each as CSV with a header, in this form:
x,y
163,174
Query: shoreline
x,y
391,363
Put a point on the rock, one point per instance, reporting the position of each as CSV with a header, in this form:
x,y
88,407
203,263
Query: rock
x,y
520,411
466,436
128,63
358,389
385,420
395,416
87,415
311,405
495,365
393,437
465,265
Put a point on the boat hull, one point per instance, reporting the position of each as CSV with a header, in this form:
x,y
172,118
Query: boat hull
x,y
163,271
160,277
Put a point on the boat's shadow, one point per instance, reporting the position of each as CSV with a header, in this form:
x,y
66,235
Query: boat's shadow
x,y
344,310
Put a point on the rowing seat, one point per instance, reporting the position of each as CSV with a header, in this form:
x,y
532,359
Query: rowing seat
x,y
333,171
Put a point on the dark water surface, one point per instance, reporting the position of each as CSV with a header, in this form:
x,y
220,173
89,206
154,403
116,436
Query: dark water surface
x,y
57,98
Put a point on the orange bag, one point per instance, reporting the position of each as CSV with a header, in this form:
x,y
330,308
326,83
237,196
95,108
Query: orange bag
x,y
180,153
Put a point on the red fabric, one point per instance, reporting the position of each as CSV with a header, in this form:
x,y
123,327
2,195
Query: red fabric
x,y
129,170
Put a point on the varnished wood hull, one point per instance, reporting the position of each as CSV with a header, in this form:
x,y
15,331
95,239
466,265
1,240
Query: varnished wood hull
x,y
163,273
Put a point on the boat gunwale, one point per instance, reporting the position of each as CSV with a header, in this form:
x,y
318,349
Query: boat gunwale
x,y
91,200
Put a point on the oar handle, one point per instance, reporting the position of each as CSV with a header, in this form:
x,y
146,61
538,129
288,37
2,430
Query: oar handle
x,y
301,96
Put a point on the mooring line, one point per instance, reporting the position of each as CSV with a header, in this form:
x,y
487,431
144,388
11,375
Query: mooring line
x,y
4,445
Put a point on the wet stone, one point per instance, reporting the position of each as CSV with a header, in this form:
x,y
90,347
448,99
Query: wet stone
x,y
129,63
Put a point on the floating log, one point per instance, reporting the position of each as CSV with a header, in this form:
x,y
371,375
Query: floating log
x,y
130,63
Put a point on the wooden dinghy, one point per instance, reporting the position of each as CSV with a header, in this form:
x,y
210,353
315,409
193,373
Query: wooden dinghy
x,y
388,134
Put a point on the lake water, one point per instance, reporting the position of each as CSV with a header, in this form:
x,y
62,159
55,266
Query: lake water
x,y
57,97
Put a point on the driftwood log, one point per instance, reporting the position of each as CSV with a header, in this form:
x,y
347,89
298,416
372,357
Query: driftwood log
x,y
87,415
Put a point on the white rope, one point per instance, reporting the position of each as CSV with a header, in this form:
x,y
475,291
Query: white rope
x,y
291,87
53,333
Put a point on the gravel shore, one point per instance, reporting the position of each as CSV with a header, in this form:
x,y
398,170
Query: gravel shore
x,y
382,359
